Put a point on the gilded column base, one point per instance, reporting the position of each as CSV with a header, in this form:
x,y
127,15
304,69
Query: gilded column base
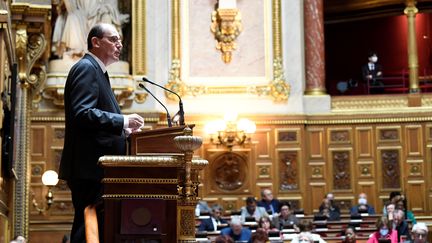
x,y
315,91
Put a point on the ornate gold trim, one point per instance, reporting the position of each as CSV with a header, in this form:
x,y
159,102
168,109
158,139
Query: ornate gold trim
x,y
139,181
149,161
139,37
152,196
277,88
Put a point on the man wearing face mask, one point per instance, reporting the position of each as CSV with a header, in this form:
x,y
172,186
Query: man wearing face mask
x,y
372,74
363,206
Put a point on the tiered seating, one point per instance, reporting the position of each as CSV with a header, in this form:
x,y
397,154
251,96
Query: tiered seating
x,y
330,231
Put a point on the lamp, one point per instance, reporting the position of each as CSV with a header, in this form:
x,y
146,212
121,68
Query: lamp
x,y
49,179
230,131
226,26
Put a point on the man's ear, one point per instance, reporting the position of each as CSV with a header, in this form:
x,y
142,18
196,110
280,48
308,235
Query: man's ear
x,y
95,42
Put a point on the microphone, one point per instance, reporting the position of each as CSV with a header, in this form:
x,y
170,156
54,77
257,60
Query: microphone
x,y
181,111
148,91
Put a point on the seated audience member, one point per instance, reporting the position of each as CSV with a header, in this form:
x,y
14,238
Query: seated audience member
x,y
401,204
215,219
223,239
303,237
236,230
306,226
285,217
401,225
390,207
265,225
251,210
349,235
267,201
259,236
362,206
393,198
419,233
329,210
384,231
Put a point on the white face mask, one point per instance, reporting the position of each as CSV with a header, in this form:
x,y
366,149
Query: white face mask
x,y
362,201
374,59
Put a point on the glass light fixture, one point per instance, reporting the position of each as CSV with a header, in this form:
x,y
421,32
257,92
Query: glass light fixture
x,y
49,179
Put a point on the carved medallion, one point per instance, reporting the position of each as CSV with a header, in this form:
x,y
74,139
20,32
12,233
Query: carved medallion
x,y
229,171
390,168
288,171
341,170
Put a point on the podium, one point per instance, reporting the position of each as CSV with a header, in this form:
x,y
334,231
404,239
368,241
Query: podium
x,y
151,194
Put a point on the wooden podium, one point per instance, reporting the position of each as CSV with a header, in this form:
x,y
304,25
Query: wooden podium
x,y
152,193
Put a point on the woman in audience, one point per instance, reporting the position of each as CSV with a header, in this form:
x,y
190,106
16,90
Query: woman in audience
x,y
401,204
384,231
390,207
265,224
349,235
393,198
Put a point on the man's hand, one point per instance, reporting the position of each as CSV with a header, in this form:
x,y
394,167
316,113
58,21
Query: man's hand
x,y
135,122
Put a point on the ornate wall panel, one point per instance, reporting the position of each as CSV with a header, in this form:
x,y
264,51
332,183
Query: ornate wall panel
x,y
341,162
364,141
316,143
289,169
389,162
414,141
262,137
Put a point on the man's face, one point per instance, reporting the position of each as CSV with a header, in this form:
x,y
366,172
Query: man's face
x,y
397,218
251,207
236,228
285,211
216,213
109,46
330,196
268,195
420,236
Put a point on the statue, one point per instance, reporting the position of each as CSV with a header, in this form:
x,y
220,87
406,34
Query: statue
x,y
75,18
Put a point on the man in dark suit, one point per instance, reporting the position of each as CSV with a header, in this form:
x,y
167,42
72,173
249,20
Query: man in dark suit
x,y
269,202
372,74
401,225
215,220
94,124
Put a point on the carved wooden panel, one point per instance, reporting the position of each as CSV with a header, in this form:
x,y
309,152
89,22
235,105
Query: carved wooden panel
x,y
339,136
318,190
230,204
288,162
341,170
316,170
390,169
364,142
316,143
263,170
343,204
287,136
414,141
262,136
365,169
388,134
228,172
38,135
36,170
415,168
416,194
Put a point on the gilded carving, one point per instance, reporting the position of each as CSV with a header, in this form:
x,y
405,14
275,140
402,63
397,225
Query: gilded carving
x,y
415,169
186,222
344,205
365,170
390,169
389,134
317,172
341,170
288,167
264,171
229,171
340,136
287,136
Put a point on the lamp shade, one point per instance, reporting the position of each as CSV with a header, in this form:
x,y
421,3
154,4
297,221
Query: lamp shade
x,y
50,178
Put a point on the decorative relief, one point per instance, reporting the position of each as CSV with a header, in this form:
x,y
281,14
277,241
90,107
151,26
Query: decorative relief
x,y
340,136
415,169
287,136
344,205
288,169
37,169
186,221
317,172
365,170
341,170
389,134
263,171
368,103
229,171
59,133
390,169
62,208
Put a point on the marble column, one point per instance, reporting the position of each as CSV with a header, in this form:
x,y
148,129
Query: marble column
x,y
411,11
314,47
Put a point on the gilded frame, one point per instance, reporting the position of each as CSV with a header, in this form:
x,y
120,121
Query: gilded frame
x,y
277,88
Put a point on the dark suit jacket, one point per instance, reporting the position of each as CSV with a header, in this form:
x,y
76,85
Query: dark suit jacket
x,y
207,224
275,204
94,125
366,71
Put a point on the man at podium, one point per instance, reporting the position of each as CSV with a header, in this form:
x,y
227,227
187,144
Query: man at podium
x,y
94,125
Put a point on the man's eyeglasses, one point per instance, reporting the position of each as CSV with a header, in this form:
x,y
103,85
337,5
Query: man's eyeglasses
x,y
113,39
